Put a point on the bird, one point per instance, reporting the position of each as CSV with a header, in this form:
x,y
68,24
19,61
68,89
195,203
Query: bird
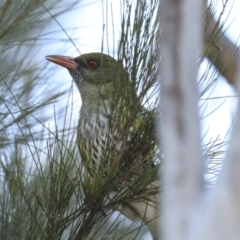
x,y
114,133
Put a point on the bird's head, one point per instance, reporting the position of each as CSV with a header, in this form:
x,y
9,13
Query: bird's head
x,y
97,76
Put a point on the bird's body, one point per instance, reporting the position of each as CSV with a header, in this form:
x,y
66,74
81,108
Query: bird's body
x,y
111,125
92,138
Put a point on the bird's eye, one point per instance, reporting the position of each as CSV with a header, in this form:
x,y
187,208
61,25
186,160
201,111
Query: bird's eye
x,y
92,64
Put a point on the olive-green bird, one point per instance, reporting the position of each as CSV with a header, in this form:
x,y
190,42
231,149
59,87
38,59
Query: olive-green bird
x,y
110,122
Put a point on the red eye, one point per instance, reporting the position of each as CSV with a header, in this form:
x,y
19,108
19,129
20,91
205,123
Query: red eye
x,y
92,64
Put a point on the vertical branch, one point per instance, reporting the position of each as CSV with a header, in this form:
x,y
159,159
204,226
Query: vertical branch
x,y
183,162
231,167
221,204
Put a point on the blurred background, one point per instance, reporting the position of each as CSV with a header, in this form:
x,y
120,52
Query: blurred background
x,y
38,96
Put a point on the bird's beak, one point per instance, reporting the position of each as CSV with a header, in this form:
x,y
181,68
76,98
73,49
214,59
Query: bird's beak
x,y
64,61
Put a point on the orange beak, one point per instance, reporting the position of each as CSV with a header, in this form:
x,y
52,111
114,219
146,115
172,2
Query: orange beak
x,y
64,61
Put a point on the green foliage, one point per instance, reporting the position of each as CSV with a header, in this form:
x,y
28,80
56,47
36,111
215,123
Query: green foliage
x,y
44,190
24,92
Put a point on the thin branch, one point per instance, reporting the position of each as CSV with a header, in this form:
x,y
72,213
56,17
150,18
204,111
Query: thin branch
x,y
220,50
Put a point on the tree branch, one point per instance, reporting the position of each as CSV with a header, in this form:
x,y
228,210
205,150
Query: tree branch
x,y
183,162
219,49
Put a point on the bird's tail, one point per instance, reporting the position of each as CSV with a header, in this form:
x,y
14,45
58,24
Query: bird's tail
x,y
146,211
